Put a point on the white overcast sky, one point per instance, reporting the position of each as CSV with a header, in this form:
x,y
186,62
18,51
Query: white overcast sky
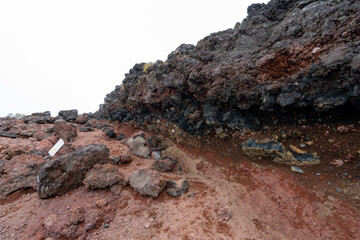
x,y
58,55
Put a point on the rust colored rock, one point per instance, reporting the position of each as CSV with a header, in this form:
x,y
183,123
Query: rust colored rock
x,y
65,131
147,182
67,172
103,176
82,119
19,173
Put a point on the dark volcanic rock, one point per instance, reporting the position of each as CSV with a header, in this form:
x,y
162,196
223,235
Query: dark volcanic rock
x,y
111,133
69,115
177,188
8,134
147,182
288,56
67,172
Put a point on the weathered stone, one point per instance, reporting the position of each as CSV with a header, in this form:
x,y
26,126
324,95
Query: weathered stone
x,y
86,129
147,182
65,132
164,165
121,136
277,152
8,134
82,119
69,115
176,188
224,213
19,173
125,158
137,145
103,176
67,172
111,133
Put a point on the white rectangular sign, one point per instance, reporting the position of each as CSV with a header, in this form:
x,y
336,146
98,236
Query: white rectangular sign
x,y
56,147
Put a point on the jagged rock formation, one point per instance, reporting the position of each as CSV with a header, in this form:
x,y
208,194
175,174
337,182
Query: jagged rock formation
x,y
292,56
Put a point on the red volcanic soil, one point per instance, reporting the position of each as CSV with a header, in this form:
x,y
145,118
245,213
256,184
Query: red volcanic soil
x,y
265,200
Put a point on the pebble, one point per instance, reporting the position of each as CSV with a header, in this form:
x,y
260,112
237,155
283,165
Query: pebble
x,y
302,145
297,169
338,190
147,225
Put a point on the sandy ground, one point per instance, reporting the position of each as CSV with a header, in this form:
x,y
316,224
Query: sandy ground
x,y
266,200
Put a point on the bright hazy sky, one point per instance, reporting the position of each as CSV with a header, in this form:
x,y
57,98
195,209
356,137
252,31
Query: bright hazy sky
x,y
57,55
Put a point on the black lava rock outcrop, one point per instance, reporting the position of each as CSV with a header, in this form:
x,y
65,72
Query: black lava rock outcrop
x,y
288,57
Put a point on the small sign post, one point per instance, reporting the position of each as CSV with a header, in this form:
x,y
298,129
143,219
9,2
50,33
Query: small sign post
x,y
56,147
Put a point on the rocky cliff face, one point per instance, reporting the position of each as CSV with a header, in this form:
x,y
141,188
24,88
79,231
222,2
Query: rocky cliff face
x,y
288,58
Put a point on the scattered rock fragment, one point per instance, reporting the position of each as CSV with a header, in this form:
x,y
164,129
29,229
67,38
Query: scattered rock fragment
x,y
111,133
67,172
125,158
103,176
297,169
137,145
8,134
121,136
337,162
86,129
69,115
224,213
65,131
176,188
164,165
147,182
343,129
277,152
82,119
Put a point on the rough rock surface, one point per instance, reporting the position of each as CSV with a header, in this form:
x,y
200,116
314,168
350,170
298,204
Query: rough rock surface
x,y
65,131
103,176
137,145
67,172
164,165
69,115
19,173
288,56
147,182
277,152
176,188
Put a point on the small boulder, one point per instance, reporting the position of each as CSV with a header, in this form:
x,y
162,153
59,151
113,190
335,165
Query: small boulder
x,y
125,158
103,176
137,145
86,129
65,131
111,133
164,165
121,136
176,188
147,182
8,134
82,119
67,172
69,115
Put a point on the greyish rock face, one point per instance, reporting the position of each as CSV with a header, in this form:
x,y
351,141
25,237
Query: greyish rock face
x,y
67,172
147,182
289,56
